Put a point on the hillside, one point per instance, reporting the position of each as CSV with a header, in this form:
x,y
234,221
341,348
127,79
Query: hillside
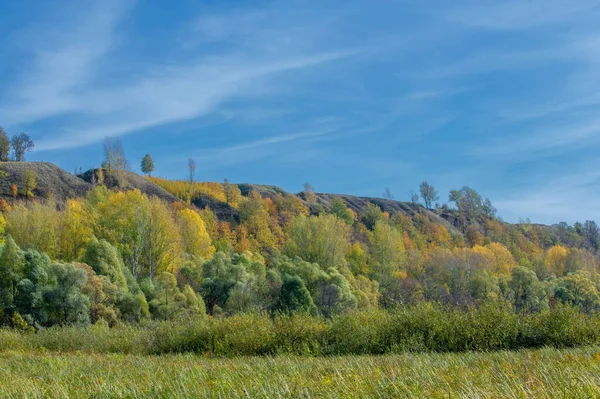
x,y
132,181
51,180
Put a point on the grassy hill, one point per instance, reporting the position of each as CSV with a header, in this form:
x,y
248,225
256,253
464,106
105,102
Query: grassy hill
x,y
131,181
51,180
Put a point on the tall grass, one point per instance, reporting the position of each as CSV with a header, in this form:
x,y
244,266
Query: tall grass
x,y
542,373
423,328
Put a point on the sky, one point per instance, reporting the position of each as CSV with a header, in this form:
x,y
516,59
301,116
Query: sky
x,y
351,96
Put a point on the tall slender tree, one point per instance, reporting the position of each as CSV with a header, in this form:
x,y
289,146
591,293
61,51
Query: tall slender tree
x,y
147,165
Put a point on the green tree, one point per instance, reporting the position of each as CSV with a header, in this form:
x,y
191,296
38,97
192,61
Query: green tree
x,y
219,277
339,209
104,259
21,144
470,203
578,290
64,300
527,291
295,297
11,265
429,194
370,215
147,165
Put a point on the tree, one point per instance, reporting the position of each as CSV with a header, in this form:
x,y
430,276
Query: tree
x,y
318,239
340,210
578,290
527,291
470,203
21,144
196,240
104,259
414,197
4,146
147,165
11,264
192,169
29,183
114,159
429,194
114,155
370,215
387,194
309,193
233,195
295,297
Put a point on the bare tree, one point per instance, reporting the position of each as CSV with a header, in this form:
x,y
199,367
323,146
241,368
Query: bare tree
x,y
309,193
114,159
414,197
192,169
387,194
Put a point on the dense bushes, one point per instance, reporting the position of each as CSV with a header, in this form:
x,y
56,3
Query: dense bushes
x,y
421,328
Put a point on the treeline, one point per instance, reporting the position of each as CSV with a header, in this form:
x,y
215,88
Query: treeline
x,y
120,256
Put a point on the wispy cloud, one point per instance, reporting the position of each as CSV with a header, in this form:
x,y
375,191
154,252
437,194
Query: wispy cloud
x,y
64,61
65,78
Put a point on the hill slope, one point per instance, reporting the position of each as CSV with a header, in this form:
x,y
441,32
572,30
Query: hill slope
x,y
51,180
132,181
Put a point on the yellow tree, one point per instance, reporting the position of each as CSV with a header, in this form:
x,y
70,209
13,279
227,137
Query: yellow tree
x,y
196,240
504,261
387,250
35,225
123,220
319,239
76,229
162,240
556,260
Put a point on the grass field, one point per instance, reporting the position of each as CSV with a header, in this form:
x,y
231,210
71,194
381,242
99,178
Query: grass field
x,y
545,373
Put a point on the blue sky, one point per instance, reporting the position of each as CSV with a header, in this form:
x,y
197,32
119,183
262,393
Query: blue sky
x,y
352,96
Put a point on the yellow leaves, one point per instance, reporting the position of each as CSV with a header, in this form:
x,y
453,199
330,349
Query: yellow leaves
x,y
185,190
357,259
504,261
75,230
555,261
195,238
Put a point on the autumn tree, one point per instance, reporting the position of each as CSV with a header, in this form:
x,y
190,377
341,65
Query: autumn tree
x,y
341,210
28,183
233,195
429,194
319,239
147,165
196,240
21,144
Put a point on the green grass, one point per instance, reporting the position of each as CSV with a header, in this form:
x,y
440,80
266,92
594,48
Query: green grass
x,y
542,373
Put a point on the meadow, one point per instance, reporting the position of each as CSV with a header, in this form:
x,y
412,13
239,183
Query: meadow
x,y
540,373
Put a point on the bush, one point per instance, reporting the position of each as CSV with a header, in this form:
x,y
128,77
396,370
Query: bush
x,y
420,328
